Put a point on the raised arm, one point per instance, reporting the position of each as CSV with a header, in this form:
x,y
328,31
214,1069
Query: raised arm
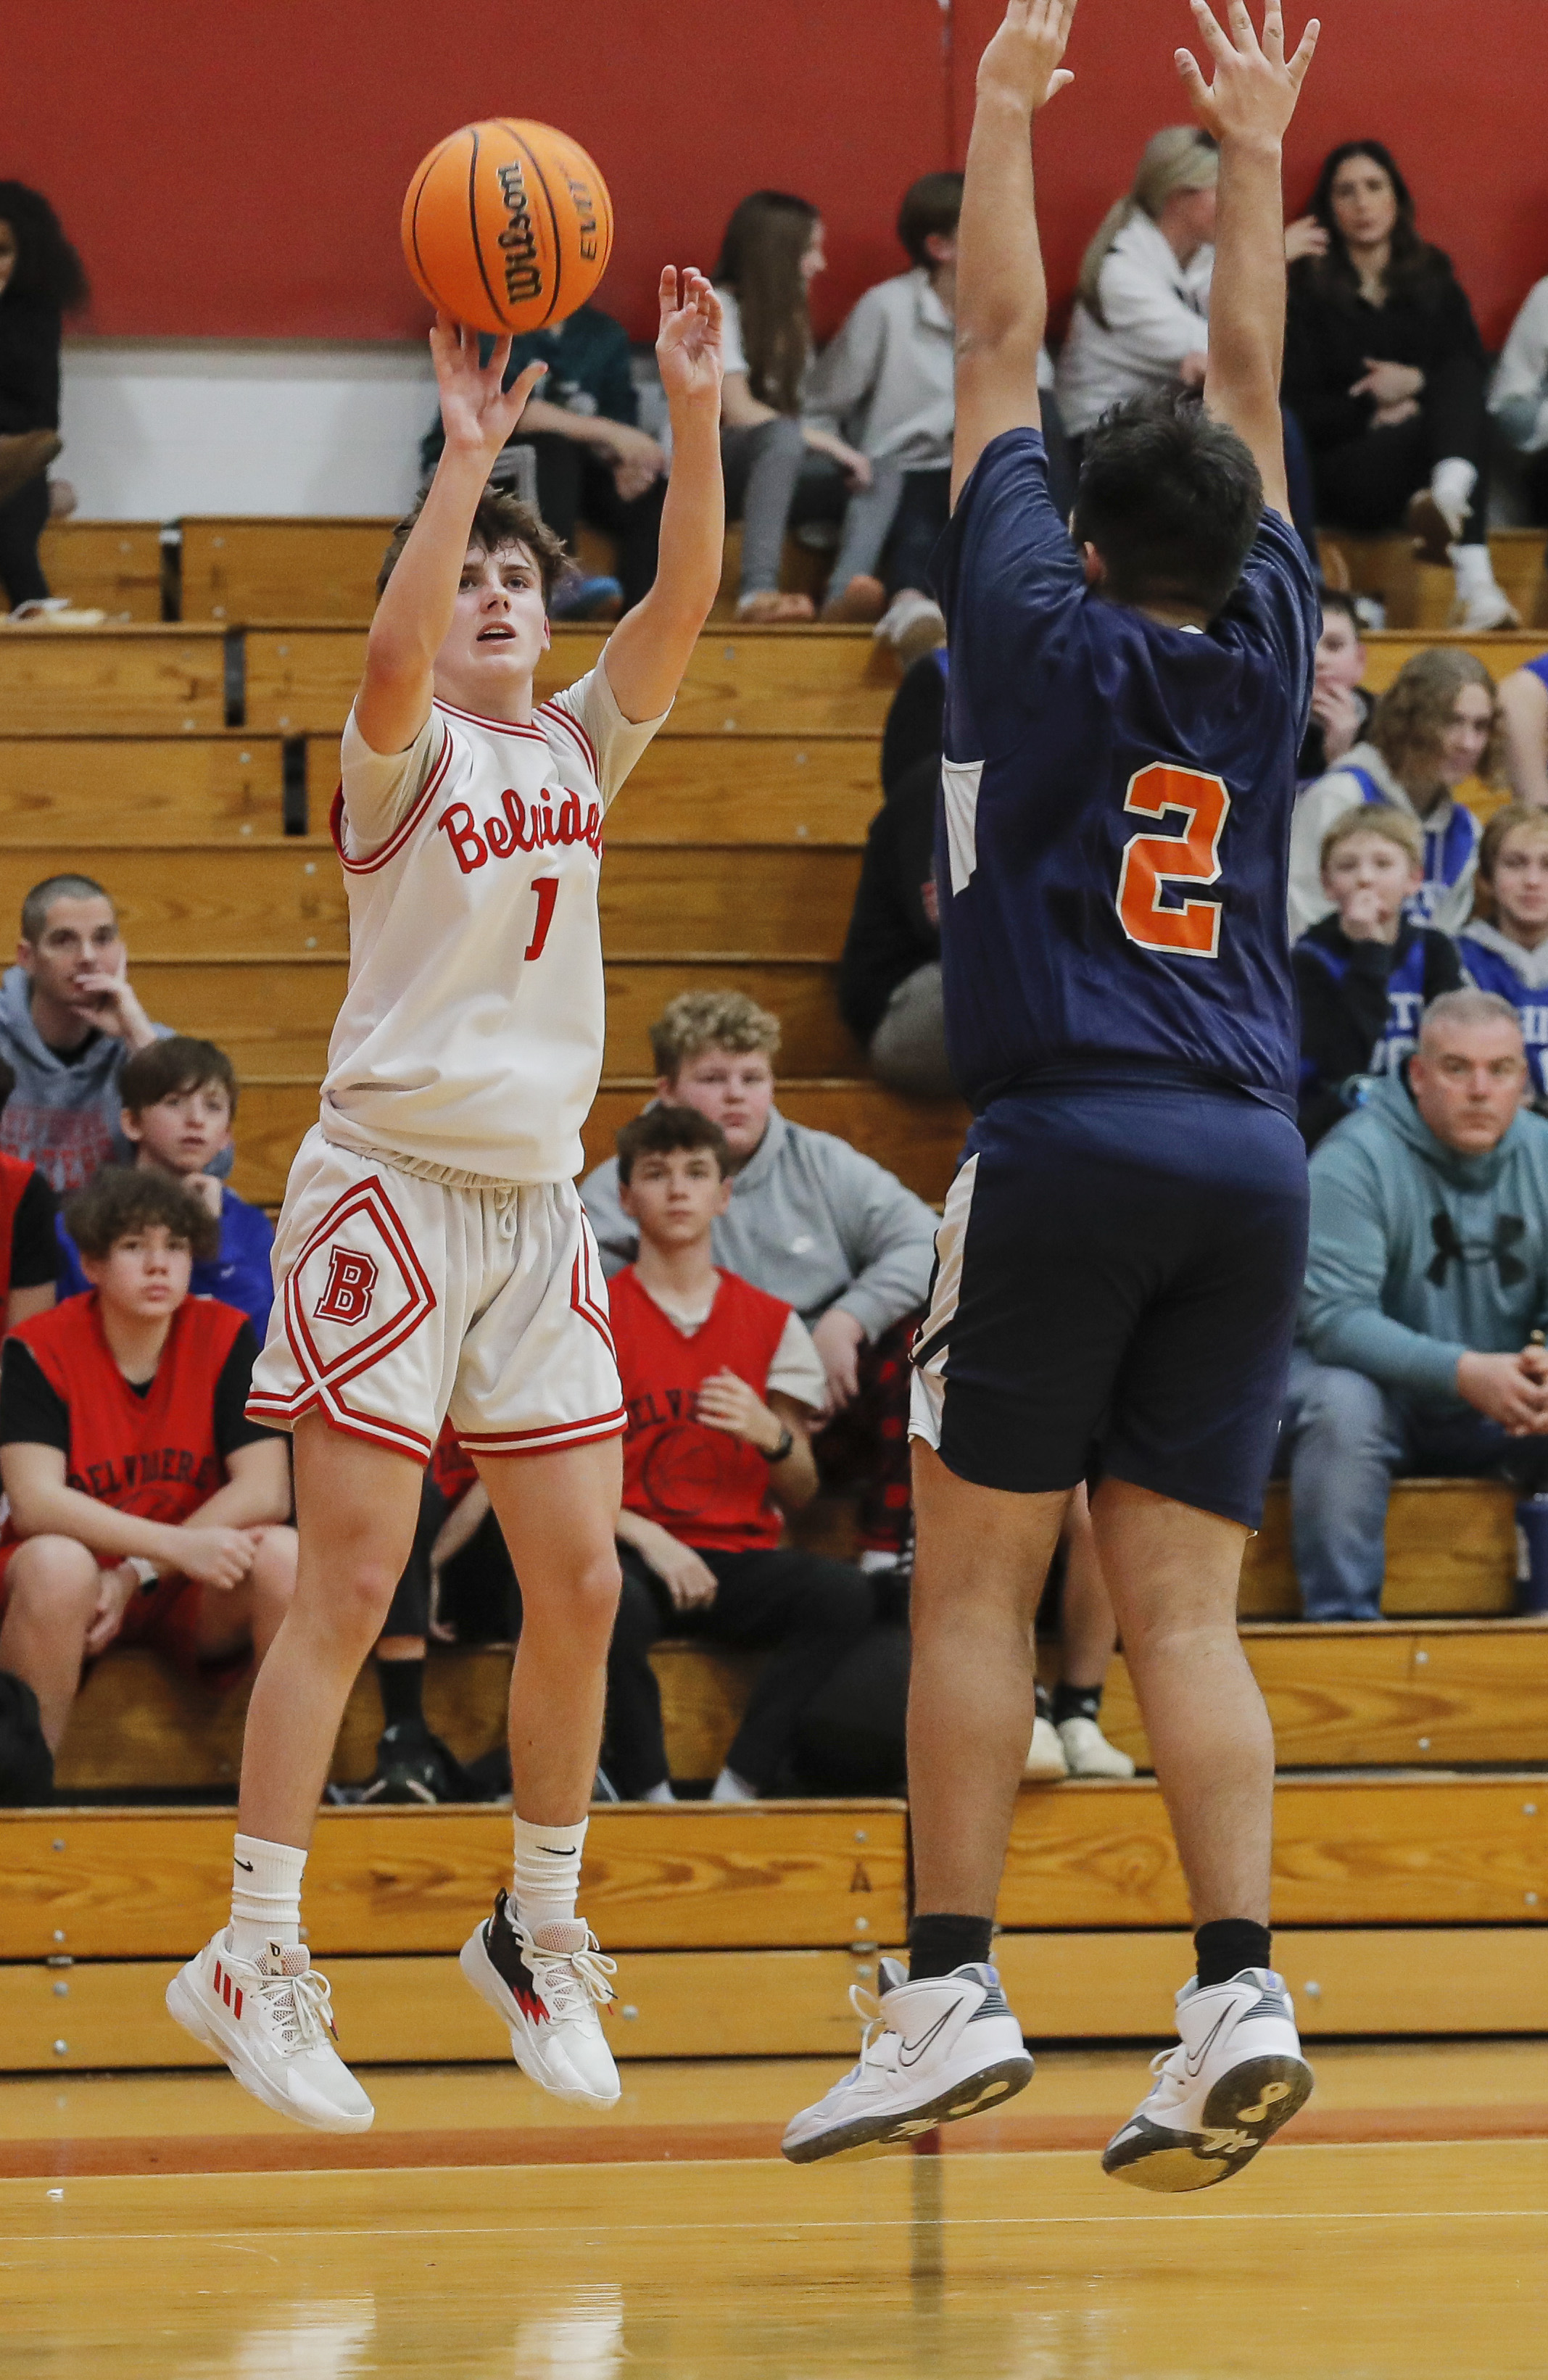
x,y
1248,106
415,612
650,649
1002,297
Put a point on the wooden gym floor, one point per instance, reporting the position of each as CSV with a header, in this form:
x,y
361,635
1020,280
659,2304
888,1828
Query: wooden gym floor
x,y
167,2225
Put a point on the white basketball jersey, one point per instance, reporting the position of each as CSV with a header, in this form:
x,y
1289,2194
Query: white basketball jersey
x,y
470,1037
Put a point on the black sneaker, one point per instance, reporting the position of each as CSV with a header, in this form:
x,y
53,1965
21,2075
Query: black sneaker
x,y
26,1762
411,1765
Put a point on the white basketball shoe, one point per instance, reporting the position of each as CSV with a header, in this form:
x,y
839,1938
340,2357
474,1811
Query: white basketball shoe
x,y
1088,1751
1234,2078
931,2051
271,2021
547,1988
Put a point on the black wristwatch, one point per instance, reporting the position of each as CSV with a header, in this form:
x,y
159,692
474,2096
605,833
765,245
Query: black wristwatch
x,y
777,1453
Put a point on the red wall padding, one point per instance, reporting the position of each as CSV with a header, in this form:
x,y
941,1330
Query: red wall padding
x,y
235,170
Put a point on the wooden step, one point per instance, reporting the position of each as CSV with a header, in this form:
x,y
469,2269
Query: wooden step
x,y
273,1016
797,682
142,1884
144,681
110,2015
1421,595
115,566
1499,652
265,897
141,788
1377,1850
917,1139
756,789
140,1724
1451,1548
244,570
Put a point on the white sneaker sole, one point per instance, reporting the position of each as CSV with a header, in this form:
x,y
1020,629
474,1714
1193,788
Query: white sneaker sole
x,y
185,2005
492,1988
1244,2110
969,2087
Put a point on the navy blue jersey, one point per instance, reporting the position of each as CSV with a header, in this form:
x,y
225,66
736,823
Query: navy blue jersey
x,y
1112,841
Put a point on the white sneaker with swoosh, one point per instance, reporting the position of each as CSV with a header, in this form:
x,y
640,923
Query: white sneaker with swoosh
x,y
1235,2076
930,2052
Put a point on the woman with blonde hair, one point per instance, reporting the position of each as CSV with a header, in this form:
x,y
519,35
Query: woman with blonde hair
x,y
1437,725
771,254
1505,949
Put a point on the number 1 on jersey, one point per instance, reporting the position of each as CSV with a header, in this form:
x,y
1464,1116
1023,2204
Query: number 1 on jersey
x,y
547,889
1152,862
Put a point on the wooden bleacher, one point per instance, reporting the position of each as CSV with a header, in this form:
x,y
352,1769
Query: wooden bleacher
x,y
118,568
1421,595
731,858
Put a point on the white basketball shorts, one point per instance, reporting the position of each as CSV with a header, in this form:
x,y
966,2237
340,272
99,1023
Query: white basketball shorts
x,y
399,1301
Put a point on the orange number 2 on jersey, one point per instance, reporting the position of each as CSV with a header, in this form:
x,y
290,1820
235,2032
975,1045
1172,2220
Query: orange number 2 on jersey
x,y
1152,862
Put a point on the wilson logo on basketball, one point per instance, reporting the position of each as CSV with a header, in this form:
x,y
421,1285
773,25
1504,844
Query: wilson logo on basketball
x,y
351,1281
518,242
518,827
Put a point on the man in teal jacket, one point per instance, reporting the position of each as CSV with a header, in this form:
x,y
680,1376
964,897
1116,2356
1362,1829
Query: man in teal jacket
x,y
1426,1275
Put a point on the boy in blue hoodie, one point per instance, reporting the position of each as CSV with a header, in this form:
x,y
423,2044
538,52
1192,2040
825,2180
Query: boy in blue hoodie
x,y
1427,1273
178,1103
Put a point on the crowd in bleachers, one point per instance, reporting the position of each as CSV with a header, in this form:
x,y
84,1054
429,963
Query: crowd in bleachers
x,y
767,1278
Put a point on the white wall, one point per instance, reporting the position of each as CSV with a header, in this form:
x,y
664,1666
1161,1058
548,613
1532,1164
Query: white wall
x,y
153,429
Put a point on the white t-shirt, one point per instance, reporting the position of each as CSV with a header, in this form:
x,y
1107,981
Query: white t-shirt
x,y
797,1369
469,1041
733,353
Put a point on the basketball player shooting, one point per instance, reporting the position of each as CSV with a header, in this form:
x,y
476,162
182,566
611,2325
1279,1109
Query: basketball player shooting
x,y
432,1255
1120,1254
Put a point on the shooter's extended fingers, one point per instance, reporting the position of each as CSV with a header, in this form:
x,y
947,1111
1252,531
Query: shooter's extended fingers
x,y
1193,80
526,381
1305,51
1243,31
1272,39
1212,32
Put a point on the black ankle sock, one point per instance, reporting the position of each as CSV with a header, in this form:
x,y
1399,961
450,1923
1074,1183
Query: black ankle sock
x,y
1227,1946
402,1689
1076,1702
936,1945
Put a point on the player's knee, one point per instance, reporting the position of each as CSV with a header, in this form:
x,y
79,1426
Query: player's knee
x,y
585,1598
273,1568
359,1599
54,1580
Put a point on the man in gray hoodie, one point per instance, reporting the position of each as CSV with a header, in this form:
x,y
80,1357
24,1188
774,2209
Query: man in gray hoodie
x,y
69,1022
1426,1275
811,1220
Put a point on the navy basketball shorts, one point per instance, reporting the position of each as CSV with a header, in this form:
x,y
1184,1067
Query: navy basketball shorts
x,y
1117,1275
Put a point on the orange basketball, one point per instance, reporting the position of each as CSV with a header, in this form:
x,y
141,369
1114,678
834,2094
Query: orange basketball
x,y
508,225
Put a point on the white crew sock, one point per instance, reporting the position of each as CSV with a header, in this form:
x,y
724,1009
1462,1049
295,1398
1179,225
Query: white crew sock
x,y
1473,568
1452,483
545,1875
265,1896
729,1787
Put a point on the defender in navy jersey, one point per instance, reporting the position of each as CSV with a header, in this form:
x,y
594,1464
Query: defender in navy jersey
x,y
1119,1258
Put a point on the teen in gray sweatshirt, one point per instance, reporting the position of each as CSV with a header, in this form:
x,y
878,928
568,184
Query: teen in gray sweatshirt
x,y
69,1022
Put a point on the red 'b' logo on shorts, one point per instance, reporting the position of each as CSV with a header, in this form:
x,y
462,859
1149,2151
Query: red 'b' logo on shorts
x,y
351,1280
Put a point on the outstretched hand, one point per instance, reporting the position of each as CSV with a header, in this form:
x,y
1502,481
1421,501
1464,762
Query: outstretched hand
x,y
689,344
477,414
1022,61
1255,88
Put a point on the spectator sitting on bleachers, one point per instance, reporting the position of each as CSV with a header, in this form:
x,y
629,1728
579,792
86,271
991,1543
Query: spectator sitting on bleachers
x,y
69,1021
809,1221
28,1256
1426,1276
719,1383
144,1507
41,281
1524,716
771,254
889,977
595,463
1341,707
179,1102
1385,371
1437,725
884,382
1505,949
1518,399
1365,973
1142,304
